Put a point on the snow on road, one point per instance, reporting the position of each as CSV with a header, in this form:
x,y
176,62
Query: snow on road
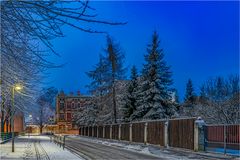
x,y
91,151
25,148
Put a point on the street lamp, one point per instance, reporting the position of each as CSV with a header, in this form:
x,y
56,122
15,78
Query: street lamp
x,y
16,87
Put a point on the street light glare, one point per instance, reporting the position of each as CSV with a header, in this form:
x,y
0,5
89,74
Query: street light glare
x,y
18,87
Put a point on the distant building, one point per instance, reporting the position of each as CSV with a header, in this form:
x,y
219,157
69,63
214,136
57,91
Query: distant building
x,y
66,105
18,123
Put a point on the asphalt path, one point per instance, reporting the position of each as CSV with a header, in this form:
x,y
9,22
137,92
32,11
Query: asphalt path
x,y
91,150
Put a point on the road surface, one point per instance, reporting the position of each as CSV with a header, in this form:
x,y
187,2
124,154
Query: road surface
x,y
91,150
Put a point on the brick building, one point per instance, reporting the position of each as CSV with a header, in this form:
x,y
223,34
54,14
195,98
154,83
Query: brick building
x,y
18,123
66,105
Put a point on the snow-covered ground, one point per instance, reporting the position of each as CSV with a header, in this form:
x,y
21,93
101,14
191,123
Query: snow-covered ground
x,y
162,153
25,148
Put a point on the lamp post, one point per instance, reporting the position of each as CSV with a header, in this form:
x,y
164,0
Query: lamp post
x,y
16,87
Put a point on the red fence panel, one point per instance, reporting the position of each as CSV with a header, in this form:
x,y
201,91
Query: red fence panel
x,y
215,136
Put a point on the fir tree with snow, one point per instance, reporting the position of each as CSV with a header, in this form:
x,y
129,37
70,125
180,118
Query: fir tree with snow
x,y
154,98
86,115
131,95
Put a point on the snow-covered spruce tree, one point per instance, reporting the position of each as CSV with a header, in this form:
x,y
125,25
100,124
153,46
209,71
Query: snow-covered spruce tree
x,y
130,98
190,94
86,115
154,97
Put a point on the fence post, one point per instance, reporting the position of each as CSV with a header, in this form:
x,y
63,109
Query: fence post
x,y
59,141
199,134
166,134
130,132
97,132
103,131
110,131
93,131
145,133
225,137
63,141
88,131
195,142
119,131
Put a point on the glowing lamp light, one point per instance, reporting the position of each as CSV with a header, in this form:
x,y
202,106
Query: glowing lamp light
x,y
18,87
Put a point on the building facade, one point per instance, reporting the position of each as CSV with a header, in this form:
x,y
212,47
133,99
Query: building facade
x,y
18,123
66,105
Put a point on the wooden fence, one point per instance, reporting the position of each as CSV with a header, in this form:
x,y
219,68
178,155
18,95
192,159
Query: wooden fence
x,y
107,132
181,133
100,131
125,132
115,131
138,132
90,129
155,132
95,131
175,133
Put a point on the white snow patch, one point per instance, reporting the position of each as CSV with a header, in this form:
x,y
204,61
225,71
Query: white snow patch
x,y
134,147
24,149
146,150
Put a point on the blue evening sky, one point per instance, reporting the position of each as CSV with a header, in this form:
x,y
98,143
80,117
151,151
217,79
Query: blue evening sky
x,y
200,41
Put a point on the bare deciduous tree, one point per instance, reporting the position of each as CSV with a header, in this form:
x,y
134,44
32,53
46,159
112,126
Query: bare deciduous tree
x,y
27,26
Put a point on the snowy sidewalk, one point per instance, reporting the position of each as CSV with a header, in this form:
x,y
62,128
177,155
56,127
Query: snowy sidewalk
x,y
35,147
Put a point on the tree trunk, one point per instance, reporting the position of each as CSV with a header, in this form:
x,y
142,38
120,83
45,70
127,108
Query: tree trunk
x,y
2,116
2,121
114,105
8,126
